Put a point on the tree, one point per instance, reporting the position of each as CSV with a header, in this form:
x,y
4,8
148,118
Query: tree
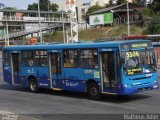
x,y
140,2
147,13
111,3
94,8
45,5
155,6
121,2
154,26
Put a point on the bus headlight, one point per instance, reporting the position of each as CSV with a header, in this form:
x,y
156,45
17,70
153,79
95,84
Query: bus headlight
x,y
127,85
155,82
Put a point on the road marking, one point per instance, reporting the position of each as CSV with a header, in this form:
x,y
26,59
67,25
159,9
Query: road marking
x,y
115,105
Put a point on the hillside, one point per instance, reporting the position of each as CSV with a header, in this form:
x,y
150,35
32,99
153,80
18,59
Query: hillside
x,y
98,33
109,32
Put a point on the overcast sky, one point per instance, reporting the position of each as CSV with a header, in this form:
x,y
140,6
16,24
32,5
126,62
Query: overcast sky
x,y
22,4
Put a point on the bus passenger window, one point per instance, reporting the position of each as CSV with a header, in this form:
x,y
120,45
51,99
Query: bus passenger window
x,y
40,58
27,58
43,58
6,58
89,58
70,58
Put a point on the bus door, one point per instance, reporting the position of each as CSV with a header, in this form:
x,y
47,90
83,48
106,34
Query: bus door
x,y
55,69
108,70
15,67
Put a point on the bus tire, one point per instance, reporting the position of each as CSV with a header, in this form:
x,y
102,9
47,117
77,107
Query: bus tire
x,y
33,86
93,91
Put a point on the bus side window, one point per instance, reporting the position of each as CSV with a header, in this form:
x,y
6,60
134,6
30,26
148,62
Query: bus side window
x,y
89,58
6,58
43,58
27,58
40,58
70,58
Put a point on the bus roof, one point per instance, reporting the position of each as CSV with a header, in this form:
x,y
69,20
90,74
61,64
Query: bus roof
x,y
115,44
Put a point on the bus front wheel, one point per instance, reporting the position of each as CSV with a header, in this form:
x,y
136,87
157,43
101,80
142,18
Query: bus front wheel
x,y
33,85
93,91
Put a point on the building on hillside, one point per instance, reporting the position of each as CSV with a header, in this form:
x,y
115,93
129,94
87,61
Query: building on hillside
x,y
81,8
105,2
1,13
99,2
2,6
116,15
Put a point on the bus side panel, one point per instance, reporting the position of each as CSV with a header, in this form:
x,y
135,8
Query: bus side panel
x,y
75,78
40,73
16,78
7,74
24,81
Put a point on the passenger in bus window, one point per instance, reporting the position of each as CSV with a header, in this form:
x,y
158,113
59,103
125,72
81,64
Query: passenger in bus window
x,y
30,62
95,61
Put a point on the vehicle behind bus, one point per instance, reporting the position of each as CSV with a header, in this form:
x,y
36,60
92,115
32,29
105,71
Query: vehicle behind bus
x,y
121,68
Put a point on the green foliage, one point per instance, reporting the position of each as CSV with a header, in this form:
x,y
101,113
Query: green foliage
x,y
110,4
94,8
154,26
155,6
121,2
45,5
147,13
140,2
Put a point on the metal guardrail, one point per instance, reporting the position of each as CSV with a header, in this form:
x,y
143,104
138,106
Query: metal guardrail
x,y
23,33
35,19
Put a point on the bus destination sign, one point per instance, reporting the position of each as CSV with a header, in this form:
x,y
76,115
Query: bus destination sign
x,y
139,45
136,45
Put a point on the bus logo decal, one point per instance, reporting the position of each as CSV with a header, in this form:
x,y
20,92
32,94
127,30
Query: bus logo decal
x,y
68,83
96,74
88,71
6,68
43,84
30,71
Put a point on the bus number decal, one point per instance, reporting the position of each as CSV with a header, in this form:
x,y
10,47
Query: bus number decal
x,y
132,54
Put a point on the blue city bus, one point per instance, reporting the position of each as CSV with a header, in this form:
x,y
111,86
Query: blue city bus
x,y
120,67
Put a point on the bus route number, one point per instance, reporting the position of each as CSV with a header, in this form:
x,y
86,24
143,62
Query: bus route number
x,y
132,54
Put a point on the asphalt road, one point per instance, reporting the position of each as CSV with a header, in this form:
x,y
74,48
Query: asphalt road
x,y
66,105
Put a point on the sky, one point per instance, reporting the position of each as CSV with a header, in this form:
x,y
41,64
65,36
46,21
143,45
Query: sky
x,y
22,4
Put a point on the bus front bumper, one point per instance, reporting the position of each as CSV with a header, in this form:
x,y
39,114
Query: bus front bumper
x,y
127,89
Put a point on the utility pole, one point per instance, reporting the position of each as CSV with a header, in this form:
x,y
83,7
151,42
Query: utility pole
x,y
5,40
71,4
63,27
128,23
39,16
7,34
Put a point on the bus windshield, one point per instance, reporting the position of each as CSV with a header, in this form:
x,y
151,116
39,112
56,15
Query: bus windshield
x,y
138,62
